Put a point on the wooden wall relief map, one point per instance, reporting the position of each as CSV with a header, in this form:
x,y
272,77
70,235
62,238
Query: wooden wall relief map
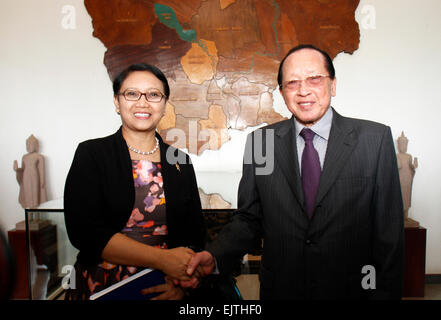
x,y
220,56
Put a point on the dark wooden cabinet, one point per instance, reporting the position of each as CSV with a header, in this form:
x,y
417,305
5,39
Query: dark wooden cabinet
x,y
415,262
44,246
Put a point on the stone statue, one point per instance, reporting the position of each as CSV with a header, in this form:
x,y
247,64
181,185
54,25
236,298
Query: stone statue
x,y
212,200
31,178
406,169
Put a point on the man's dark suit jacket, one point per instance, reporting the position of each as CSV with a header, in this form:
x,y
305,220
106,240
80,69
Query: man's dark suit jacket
x,y
357,221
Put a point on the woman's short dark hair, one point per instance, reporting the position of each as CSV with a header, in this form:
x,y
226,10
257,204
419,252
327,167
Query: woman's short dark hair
x,y
328,61
117,82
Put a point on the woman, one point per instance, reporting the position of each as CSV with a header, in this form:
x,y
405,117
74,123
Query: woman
x,y
126,205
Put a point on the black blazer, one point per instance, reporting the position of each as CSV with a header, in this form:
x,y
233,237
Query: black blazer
x,y
357,221
99,196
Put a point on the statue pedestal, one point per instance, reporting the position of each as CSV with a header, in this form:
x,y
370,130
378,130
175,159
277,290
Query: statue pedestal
x,y
41,250
415,261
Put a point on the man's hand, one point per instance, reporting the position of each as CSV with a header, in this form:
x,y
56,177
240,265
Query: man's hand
x,y
203,263
205,260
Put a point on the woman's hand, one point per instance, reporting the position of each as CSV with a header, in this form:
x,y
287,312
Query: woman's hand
x,y
174,262
168,290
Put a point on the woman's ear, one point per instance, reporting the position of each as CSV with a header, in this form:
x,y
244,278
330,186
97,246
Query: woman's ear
x,y
116,103
165,107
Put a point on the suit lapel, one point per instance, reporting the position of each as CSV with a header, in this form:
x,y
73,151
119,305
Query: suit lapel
x,y
342,140
285,150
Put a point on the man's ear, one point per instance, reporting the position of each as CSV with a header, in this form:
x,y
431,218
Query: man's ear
x,y
334,87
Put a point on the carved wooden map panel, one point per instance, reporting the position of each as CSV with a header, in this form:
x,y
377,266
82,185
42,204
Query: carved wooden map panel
x,y
221,57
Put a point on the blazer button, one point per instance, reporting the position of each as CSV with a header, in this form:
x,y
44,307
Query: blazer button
x,y
308,243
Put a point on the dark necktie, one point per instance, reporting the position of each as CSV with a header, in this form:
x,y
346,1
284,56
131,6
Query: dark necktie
x,y
310,170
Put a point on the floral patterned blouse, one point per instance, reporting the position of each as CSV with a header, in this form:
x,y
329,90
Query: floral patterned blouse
x,y
147,224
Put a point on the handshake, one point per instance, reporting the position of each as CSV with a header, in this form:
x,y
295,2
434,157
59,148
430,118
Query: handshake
x,y
183,268
186,267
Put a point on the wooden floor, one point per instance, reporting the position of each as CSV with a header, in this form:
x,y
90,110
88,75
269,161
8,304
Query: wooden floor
x,y
248,285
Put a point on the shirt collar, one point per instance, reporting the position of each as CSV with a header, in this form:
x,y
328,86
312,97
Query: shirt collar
x,y
321,128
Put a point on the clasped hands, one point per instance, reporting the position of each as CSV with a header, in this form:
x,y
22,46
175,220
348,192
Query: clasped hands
x,y
183,268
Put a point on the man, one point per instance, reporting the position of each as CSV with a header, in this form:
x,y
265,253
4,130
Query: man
x,y
330,213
